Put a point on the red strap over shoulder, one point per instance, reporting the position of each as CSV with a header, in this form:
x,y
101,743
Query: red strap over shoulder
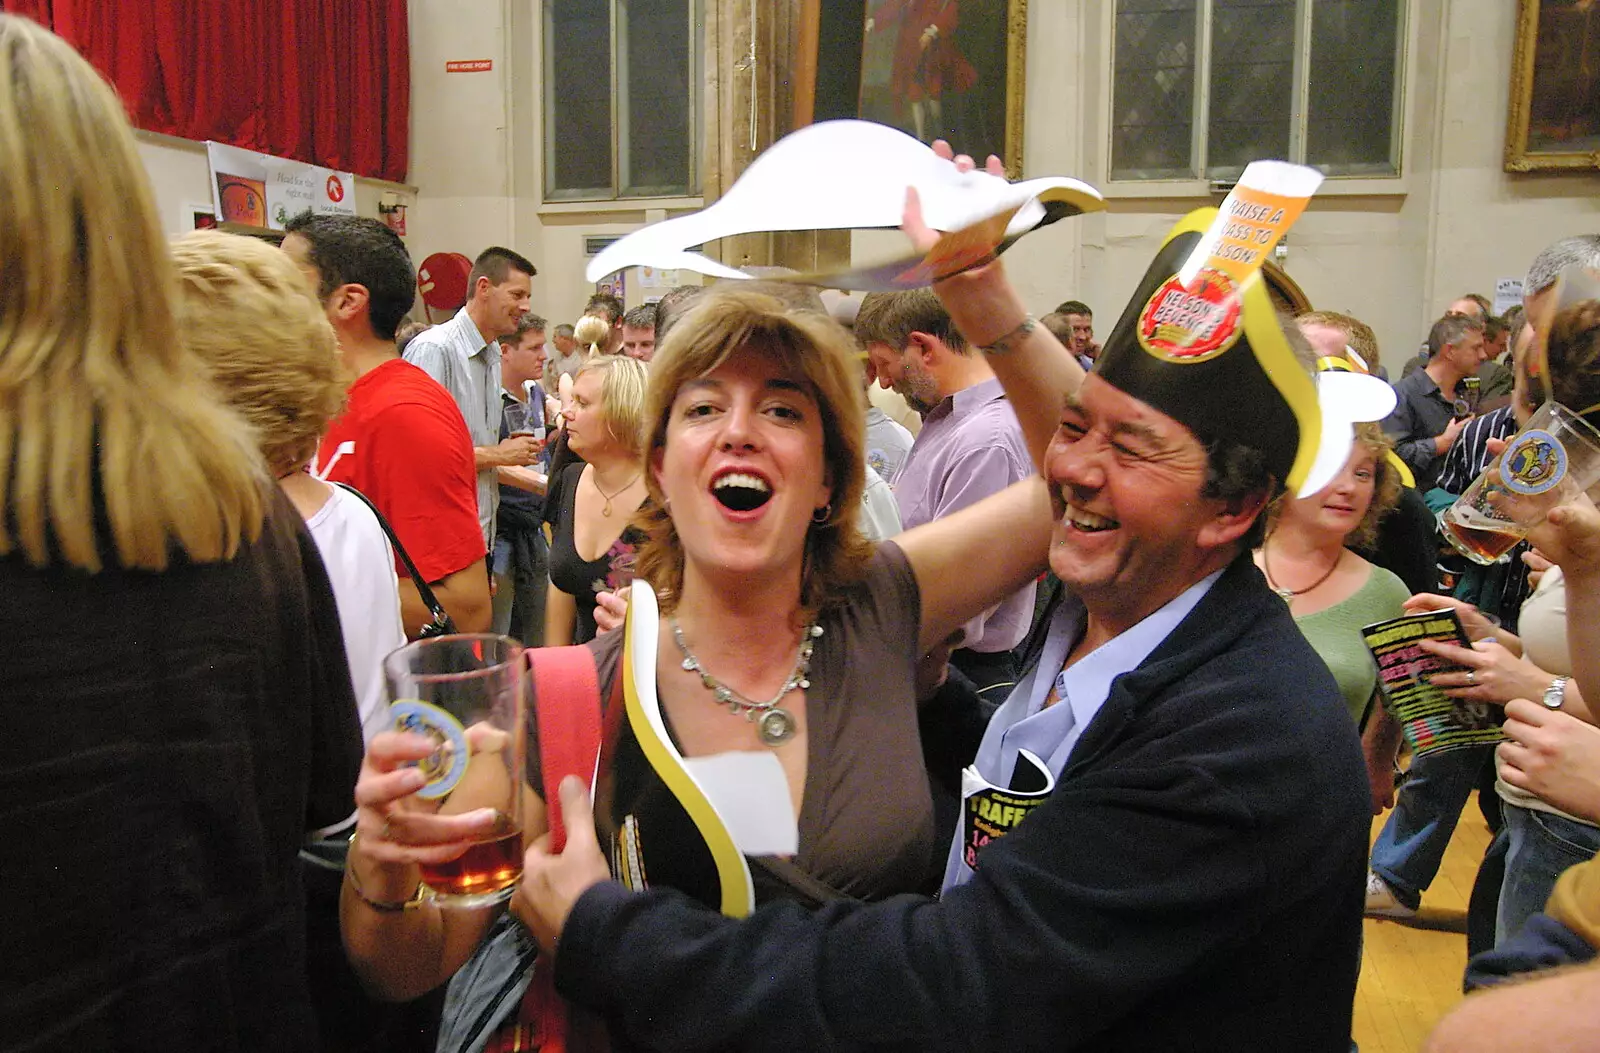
x,y
567,700
567,713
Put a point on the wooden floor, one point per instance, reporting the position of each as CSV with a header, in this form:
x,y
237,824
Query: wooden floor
x,y
1411,971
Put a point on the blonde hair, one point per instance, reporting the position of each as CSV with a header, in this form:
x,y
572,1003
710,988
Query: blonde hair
x,y
740,317
249,312
1358,334
592,333
623,382
111,436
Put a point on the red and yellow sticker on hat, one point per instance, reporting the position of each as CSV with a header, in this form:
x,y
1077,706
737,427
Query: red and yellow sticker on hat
x,y
1196,314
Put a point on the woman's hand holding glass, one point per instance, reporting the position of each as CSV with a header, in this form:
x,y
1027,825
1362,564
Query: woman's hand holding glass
x,y
394,840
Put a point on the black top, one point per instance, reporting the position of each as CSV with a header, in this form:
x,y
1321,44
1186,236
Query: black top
x,y
170,739
1407,544
1421,412
1193,882
580,578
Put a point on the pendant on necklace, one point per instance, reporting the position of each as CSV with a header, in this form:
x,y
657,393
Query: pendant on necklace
x,y
775,726
606,511
1286,595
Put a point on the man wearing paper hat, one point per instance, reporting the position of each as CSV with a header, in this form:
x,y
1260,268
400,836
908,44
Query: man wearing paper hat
x,y
1165,831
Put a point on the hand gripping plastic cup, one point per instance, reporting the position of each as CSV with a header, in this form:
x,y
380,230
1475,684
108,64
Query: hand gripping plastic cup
x,y
467,694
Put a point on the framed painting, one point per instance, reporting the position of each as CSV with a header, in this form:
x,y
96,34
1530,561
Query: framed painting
x,y
937,69
1554,120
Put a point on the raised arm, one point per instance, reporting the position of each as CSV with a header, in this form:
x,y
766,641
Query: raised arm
x,y
1032,366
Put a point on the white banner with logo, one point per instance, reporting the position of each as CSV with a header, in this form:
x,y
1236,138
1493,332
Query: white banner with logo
x,y
260,190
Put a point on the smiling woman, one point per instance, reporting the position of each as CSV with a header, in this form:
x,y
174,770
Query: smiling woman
x,y
794,642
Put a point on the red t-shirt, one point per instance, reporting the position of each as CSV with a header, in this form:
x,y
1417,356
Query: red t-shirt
x,y
402,442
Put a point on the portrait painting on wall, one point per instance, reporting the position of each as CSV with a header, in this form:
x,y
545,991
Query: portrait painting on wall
x,y
936,69
1555,87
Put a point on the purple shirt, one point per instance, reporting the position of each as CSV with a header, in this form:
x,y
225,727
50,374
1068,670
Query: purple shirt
x,y
970,446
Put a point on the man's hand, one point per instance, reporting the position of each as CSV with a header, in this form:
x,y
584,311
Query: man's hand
x,y
516,451
551,884
1553,755
1447,438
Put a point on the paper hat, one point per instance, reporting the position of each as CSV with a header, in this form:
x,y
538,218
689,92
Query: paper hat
x,y
1347,395
853,175
1200,342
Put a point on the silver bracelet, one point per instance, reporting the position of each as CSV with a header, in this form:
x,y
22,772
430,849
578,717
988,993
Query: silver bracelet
x,y
1008,343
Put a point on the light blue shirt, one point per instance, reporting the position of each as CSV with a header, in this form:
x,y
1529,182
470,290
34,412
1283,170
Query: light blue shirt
x,y
1023,722
457,356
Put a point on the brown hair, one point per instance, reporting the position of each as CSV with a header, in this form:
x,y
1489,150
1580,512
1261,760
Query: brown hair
x,y
890,318
1385,487
1573,354
723,322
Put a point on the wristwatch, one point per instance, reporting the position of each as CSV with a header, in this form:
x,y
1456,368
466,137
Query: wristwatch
x,y
1556,693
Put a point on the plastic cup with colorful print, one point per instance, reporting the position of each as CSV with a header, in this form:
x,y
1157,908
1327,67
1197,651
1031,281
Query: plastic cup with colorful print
x,y
466,693
1555,457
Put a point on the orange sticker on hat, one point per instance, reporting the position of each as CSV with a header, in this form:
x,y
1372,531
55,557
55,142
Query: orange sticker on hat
x,y
1191,322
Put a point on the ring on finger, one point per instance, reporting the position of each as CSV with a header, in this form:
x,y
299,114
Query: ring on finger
x,y
1472,677
384,834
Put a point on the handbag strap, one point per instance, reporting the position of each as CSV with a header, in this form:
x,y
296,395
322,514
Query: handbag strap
x,y
441,617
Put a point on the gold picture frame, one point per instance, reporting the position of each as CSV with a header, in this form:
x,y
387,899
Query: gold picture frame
x,y
1554,118
843,81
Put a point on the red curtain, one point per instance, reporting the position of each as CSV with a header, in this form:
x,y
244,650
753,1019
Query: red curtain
x,y
322,81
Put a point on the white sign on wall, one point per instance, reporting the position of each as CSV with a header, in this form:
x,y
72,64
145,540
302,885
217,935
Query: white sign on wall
x,y
260,190
1507,294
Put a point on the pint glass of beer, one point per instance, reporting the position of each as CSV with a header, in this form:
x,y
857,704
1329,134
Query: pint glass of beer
x,y
1551,460
466,693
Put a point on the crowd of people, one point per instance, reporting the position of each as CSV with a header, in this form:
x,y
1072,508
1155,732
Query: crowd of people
x,y
1053,671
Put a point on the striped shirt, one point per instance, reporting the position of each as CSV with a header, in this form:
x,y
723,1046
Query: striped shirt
x,y
1500,589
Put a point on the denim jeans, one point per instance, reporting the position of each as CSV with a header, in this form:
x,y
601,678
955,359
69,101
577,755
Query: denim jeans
x,y
1411,844
522,576
1540,846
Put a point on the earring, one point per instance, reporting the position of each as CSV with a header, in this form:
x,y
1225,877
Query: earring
x,y
821,515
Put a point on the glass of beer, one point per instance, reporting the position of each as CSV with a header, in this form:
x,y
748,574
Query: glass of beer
x,y
465,692
523,418
1550,461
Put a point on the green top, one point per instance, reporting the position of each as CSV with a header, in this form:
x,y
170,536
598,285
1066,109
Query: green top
x,y
1335,634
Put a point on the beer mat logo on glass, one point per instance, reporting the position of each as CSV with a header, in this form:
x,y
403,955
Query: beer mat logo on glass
x,y
1194,322
445,766
1533,464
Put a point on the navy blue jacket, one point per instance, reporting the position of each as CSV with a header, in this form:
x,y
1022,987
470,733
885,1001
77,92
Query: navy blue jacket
x,y
1195,882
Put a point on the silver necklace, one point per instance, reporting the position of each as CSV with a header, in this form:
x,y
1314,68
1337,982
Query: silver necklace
x,y
774,724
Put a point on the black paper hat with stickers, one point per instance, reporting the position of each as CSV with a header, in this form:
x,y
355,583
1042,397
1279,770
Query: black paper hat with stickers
x,y
1200,340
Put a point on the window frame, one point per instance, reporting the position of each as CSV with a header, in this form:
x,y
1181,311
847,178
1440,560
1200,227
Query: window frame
x,y
619,191
1351,184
